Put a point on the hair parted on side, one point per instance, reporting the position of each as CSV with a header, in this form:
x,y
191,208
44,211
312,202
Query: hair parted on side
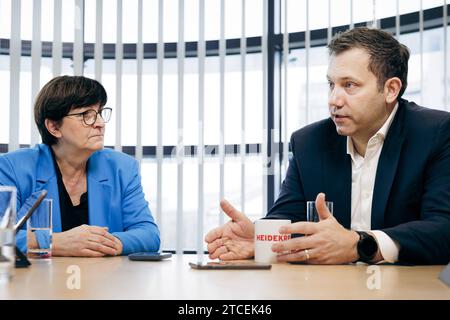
x,y
62,94
387,57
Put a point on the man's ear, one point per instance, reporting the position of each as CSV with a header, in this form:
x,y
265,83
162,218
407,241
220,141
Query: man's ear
x,y
392,88
53,127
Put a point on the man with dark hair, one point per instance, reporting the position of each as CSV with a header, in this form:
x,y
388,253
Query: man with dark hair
x,y
383,161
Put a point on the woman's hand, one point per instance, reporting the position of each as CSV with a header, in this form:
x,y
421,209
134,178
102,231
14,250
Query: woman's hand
x,y
86,241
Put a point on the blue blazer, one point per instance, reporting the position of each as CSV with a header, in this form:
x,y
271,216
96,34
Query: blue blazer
x,y
411,196
115,196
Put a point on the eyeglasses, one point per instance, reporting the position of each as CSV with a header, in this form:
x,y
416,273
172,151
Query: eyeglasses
x,y
90,116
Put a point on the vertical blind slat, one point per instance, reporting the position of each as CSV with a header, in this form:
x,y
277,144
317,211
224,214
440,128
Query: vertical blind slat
x,y
352,24
57,38
243,67
98,50
139,63
119,58
180,147
159,148
329,30
374,14
36,52
201,105
286,87
307,47
14,76
421,50
397,20
222,107
264,147
78,60
445,22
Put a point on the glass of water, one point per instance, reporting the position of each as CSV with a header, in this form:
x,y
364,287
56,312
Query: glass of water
x,y
39,232
7,234
311,211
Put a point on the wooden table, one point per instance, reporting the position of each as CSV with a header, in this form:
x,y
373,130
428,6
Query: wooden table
x,y
119,278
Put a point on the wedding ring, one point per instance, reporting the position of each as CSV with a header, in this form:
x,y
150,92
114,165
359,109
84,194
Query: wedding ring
x,y
307,254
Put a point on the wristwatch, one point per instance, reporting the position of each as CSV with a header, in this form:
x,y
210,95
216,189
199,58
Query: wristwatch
x,y
367,247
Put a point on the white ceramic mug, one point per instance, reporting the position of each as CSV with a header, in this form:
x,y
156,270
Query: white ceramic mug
x,y
266,234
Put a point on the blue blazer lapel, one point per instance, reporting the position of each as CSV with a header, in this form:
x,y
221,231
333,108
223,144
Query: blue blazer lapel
x,y
99,194
46,179
387,168
337,177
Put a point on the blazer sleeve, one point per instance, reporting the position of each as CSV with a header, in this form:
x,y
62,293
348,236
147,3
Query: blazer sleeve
x,y
427,241
24,202
140,230
290,203
8,178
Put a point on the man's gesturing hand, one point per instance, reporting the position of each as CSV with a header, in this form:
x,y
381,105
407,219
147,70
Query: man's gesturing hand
x,y
327,241
235,239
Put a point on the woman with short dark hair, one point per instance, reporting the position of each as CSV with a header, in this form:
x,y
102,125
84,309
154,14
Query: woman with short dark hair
x,y
99,207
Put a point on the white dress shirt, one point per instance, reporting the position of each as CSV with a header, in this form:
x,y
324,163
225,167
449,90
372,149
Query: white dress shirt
x,y
364,170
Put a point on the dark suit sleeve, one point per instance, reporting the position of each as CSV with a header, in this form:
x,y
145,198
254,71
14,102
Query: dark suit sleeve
x,y
291,200
427,241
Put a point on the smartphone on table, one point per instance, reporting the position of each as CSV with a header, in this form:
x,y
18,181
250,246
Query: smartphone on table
x,y
149,256
230,265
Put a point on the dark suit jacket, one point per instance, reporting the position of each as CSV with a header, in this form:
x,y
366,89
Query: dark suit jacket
x,y
411,196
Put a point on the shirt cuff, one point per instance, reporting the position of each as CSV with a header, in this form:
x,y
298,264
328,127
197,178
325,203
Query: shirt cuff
x,y
388,247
